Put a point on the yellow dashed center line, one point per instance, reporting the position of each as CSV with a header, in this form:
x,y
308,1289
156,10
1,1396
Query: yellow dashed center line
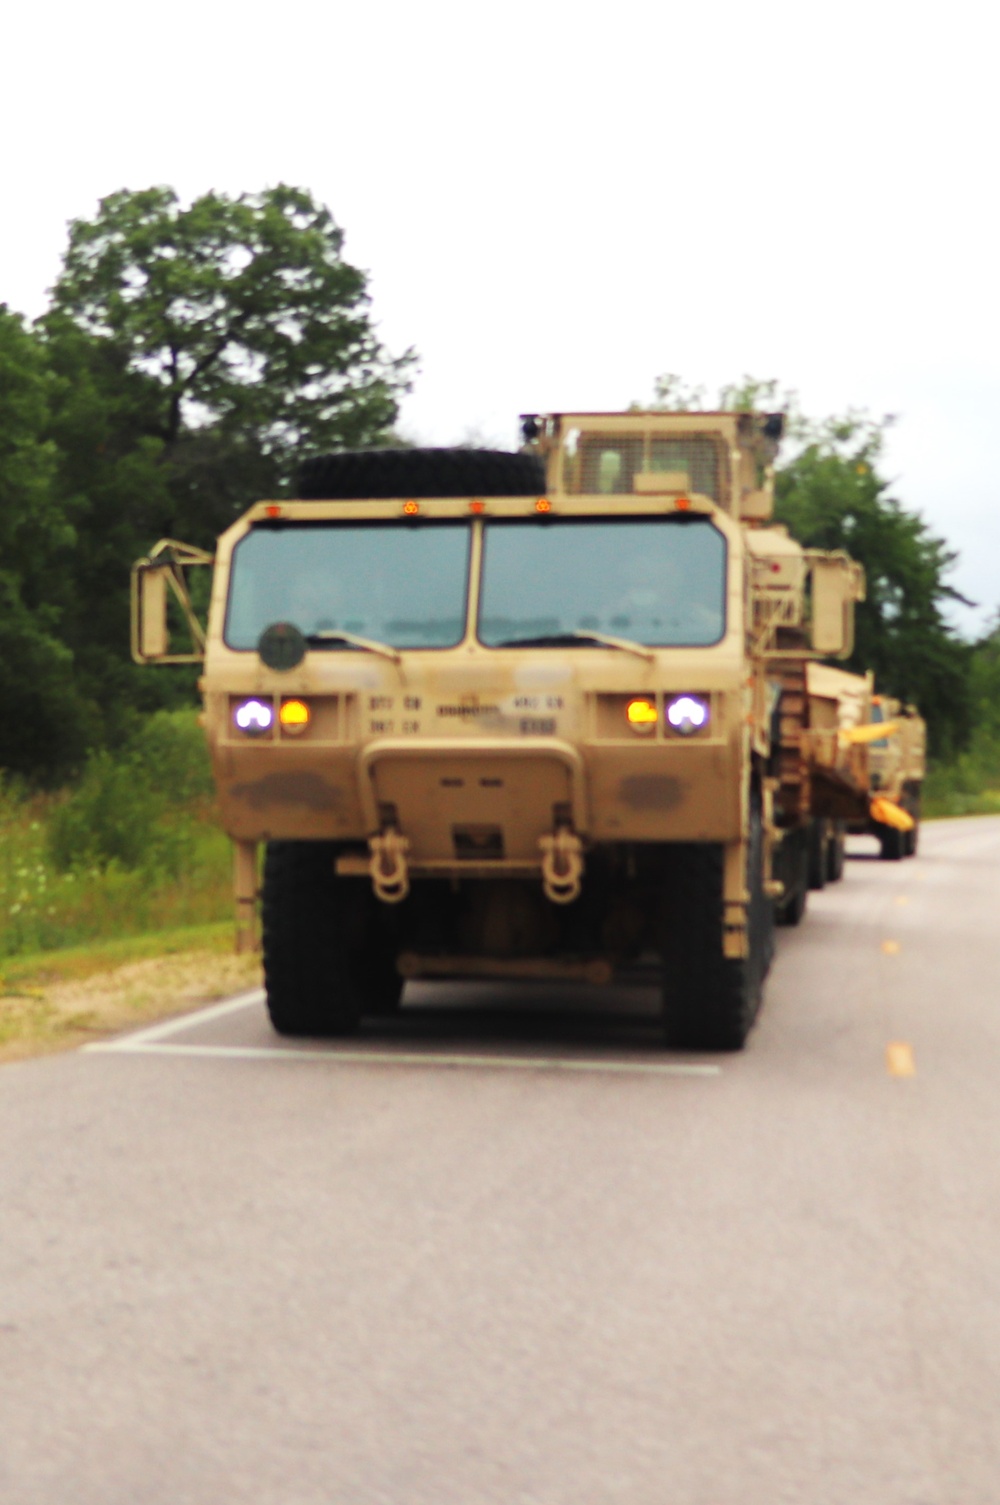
x,y
901,899
899,1059
891,948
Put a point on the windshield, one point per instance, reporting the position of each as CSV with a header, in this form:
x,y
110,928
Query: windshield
x,y
658,581
398,583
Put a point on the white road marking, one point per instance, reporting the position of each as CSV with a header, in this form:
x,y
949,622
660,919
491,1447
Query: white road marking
x,y
134,1045
180,1022
153,1041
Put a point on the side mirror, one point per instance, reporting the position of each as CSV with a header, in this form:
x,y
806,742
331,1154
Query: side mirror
x,y
837,583
162,575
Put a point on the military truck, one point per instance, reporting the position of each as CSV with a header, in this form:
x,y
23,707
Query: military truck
x,y
897,765
527,715
866,754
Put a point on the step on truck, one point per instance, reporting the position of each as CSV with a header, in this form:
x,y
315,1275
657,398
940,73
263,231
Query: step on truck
x,y
524,716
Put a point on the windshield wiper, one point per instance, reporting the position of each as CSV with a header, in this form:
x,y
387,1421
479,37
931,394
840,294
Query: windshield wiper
x,y
368,644
555,639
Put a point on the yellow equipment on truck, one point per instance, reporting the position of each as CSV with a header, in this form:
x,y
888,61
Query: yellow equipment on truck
x,y
519,716
867,759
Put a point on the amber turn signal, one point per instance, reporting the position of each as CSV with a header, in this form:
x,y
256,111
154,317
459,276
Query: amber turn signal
x,y
294,716
641,715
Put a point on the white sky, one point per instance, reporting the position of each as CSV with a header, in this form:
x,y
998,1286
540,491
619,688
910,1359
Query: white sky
x,y
556,203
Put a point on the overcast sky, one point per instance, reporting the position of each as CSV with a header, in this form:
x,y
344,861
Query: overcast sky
x,y
554,208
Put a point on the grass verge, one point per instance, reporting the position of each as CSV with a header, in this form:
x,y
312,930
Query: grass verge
x,y
54,1000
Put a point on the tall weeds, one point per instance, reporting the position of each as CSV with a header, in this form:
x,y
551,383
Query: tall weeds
x,y
133,847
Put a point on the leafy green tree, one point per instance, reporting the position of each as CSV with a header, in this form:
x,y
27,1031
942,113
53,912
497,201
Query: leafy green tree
x,y
246,331
195,354
43,718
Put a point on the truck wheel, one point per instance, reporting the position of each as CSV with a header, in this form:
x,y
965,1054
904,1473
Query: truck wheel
x,y
911,804
892,843
794,854
835,853
380,985
365,473
311,984
818,867
711,1001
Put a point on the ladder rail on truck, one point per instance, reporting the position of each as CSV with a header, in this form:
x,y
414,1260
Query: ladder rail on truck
x,y
524,716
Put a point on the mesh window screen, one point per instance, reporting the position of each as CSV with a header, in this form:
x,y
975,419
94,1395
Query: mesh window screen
x,y
698,457
606,465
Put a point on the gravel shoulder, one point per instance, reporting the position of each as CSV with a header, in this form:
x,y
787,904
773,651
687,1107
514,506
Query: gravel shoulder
x,y
59,1000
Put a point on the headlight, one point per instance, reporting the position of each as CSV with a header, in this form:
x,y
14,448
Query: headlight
x,y
255,717
688,714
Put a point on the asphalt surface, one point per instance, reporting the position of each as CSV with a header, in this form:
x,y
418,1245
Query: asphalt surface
x,y
507,1250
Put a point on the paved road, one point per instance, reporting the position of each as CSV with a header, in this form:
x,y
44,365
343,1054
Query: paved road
x,y
542,1263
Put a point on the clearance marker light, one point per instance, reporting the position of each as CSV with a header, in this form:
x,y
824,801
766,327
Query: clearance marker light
x,y
543,504
687,714
641,715
255,717
477,506
294,716
273,510
683,504
411,508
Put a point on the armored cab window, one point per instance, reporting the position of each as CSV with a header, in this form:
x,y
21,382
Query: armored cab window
x,y
402,584
606,466
695,457
613,465
657,581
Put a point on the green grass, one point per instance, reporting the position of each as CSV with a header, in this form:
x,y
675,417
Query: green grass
x,y
76,963
43,908
969,785
132,849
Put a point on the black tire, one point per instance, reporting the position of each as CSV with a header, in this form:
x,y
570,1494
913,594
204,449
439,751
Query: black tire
x,y
892,843
817,848
835,853
793,865
380,984
386,473
323,964
911,804
710,1001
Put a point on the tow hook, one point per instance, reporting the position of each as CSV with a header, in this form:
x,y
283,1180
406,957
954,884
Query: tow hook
x,y
390,876
562,865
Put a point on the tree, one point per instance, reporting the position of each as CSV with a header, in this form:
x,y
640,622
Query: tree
x,y
249,334
195,354
43,725
830,494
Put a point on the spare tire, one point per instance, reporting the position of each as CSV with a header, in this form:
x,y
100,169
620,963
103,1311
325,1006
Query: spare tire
x,y
358,474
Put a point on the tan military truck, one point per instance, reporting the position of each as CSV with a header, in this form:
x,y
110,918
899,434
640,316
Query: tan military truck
x,y
516,716
866,754
897,765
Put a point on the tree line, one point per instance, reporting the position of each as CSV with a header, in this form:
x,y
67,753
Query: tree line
x,y
191,355
188,358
